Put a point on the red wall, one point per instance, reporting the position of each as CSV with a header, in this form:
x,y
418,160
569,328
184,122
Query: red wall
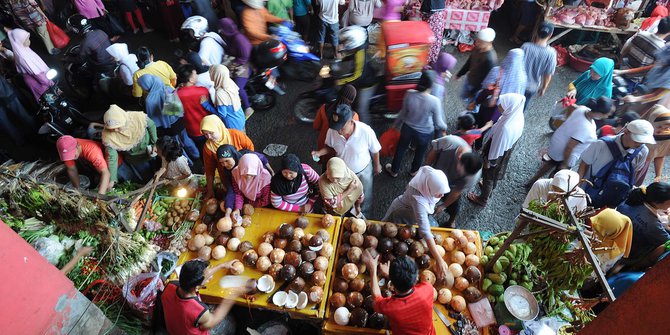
x,y
642,309
31,289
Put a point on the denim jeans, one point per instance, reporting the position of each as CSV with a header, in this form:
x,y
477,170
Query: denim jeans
x,y
366,176
421,141
363,104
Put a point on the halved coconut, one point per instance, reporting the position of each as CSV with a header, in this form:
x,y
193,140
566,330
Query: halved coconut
x,y
291,300
266,283
279,298
302,300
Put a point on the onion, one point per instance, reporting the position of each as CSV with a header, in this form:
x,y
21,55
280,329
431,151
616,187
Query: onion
x,y
449,244
458,303
456,270
444,296
199,241
205,253
461,283
456,257
218,252
200,228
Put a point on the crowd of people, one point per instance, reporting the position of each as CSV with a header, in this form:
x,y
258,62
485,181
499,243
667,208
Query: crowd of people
x,y
197,112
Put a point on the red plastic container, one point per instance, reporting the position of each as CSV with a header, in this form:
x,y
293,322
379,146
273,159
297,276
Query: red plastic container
x,y
577,63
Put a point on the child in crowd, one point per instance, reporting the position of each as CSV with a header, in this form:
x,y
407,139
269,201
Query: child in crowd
x,y
174,165
467,129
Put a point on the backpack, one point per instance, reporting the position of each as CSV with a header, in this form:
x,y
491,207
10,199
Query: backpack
x,y
614,181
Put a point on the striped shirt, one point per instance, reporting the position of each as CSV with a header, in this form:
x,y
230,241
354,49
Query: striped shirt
x,y
640,50
540,61
293,202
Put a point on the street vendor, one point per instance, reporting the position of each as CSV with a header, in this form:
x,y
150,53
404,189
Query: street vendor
x,y
563,181
615,232
228,157
291,189
75,150
410,309
593,83
414,206
183,310
132,135
217,135
340,188
251,183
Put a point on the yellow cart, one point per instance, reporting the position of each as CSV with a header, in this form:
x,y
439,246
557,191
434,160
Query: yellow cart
x,y
262,221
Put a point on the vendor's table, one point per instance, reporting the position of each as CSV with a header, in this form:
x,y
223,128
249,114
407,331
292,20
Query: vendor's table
x,y
614,32
332,328
262,221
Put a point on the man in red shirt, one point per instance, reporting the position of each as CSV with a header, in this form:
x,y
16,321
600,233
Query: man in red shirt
x,y
72,149
410,308
191,96
184,312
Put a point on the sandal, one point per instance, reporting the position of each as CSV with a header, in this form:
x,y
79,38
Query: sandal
x,y
476,199
389,170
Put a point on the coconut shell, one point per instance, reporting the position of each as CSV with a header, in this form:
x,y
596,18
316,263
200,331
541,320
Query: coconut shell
x,y
337,300
374,229
287,273
354,299
358,318
390,229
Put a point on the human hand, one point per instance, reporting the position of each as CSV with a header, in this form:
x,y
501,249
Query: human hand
x,y
228,264
442,271
84,251
571,94
235,213
306,208
384,269
370,262
377,169
616,72
629,98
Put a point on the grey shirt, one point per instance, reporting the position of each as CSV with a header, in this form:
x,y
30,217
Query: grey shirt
x,y
447,161
540,61
597,155
406,210
422,112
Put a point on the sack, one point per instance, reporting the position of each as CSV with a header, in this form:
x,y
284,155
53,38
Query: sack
x,y
173,106
389,141
58,37
141,292
614,181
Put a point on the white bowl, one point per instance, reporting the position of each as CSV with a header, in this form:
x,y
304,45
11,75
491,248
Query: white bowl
x,y
279,298
291,300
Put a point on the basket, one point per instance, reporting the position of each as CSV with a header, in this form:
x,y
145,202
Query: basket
x,y
577,63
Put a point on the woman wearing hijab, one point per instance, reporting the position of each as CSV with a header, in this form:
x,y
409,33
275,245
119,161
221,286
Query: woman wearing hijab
x,y
28,63
217,135
346,96
650,24
133,135
499,143
647,207
292,187
442,67
562,182
593,83
227,99
239,47
29,14
251,183
613,231
340,188
127,62
510,76
228,157
415,206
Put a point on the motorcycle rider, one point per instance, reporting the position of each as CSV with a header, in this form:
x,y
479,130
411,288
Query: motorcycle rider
x,y
209,45
93,47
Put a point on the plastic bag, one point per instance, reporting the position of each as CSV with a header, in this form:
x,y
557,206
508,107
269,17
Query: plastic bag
x,y
162,258
58,37
561,55
50,248
140,291
172,105
389,141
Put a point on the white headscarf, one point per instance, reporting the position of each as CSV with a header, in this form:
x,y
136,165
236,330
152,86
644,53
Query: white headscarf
x,y
429,182
565,179
120,52
508,129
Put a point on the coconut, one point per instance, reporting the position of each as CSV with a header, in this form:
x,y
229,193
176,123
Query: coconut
x,y
238,232
265,283
277,255
274,270
264,249
287,273
358,226
354,299
315,294
297,285
211,207
205,253
294,245
341,316
208,238
308,255
439,239
280,243
302,300
218,252
458,303
470,248
298,233
449,244
416,249
292,258
458,257
325,235
428,276
471,260
222,239
200,228
472,274
376,320
326,250
472,294
390,229
369,303
199,241
305,270
444,296
337,300
246,221
224,225
263,263
374,229
279,298
461,283
248,209
470,235
456,270
423,262
349,271
404,233
245,246
301,222
357,284
440,250
358,318
354,255
268,237
321,263
305,239
318,278
191,245
356,239
385,245
400,249
236,268
233,244
250,257
316,243
285,231
327,221
291,300
370,242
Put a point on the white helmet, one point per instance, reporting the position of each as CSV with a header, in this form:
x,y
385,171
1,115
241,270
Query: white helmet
x,y
197,24
352,38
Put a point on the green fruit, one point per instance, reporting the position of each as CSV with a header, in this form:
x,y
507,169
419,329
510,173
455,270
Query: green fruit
x,y
527,285
512,282
494,240
500,298
497,278
504,261
497,267
486,283
496,289
484,260
488,250
525,278
513,249
492,299
509,255
514,275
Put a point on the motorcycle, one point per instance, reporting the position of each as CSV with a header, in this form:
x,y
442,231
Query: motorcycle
x,y
301,63
81,78
262,85
60,117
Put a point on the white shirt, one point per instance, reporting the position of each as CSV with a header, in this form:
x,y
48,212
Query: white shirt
x,y
576,127
329,11
597,155
211,51
355,151
540,191
205,81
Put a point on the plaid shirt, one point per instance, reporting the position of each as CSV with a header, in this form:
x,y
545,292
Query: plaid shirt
x,y
641,49
28,13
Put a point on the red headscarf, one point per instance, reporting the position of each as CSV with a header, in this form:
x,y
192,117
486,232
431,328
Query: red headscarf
x,y
656,15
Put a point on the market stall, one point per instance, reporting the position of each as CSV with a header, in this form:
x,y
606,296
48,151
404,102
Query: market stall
x,y
470,15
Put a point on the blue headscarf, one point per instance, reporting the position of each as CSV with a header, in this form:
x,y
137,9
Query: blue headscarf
x,y
155,100
588,88
510,75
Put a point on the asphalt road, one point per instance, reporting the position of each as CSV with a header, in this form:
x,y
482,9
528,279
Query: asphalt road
x,y
277,126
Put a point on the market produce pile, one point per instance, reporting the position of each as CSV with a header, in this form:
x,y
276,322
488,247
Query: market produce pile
x,y
583,15
351,303
512,268
486,5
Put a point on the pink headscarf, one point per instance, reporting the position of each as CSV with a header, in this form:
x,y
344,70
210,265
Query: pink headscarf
x,y
251,164
27,61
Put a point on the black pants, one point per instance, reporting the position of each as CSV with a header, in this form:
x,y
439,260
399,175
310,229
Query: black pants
x,y
302,26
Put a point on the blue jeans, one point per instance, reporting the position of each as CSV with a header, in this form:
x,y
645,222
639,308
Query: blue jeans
x,y
421,141
333,29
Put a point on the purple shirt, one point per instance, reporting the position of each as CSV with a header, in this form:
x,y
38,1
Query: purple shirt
x,y
90,9
390,12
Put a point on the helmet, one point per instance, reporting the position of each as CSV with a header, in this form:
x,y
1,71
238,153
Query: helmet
x,y
352,38
78,24
197,24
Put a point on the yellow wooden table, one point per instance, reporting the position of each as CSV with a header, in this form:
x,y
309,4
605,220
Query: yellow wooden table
x,y
332,328
262,221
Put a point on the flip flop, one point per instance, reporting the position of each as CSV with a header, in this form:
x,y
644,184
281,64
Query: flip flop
x,y
475,199
388,170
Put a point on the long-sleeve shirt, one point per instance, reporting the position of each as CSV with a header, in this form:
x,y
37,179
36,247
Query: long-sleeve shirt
x,y
233,119
648,231
422,112
262,197
150,138
405,209
190,97
255,23
237,139
227,180
94,49
478,66
293,202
